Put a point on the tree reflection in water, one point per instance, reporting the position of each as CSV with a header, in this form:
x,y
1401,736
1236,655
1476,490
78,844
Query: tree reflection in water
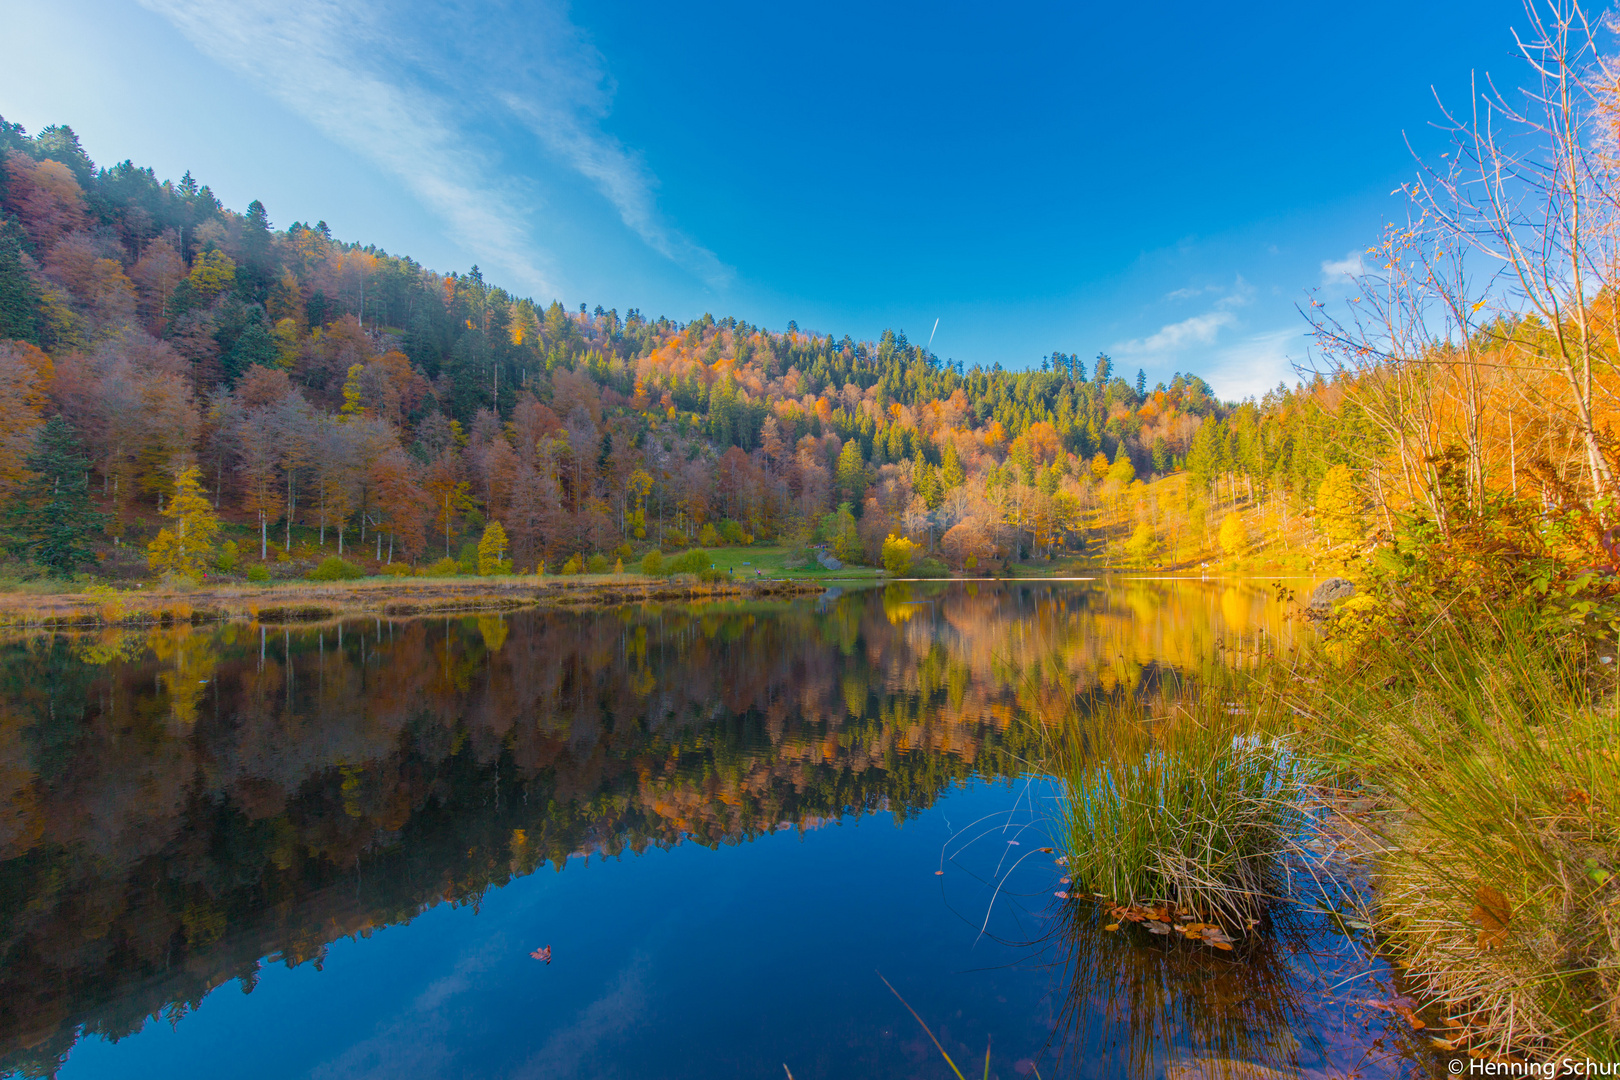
x,y
180,806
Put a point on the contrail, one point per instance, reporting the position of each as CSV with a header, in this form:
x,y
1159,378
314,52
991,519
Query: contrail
x,y
931,334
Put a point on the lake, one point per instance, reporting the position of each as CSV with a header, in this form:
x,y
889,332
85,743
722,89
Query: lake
x,y
344,850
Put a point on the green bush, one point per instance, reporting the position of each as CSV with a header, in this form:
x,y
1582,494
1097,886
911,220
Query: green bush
x,y
467,558
333,568
446,567
573,565
708,536
597,564
228,555
690,562
652,563
929,568
259,573
397,569
731,532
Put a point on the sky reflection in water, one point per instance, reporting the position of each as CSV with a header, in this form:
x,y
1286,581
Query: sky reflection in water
x,y
765,794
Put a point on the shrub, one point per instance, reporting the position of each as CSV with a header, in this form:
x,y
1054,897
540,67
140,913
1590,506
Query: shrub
x,y
333,568
714,573
446,567
397,569
708,536
929,568
675,540
624,552
467,558
259,573
691,562
227,558
596,564
732,533
652,563
573,566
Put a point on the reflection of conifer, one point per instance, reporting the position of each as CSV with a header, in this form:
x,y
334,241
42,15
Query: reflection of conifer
x,y
51,521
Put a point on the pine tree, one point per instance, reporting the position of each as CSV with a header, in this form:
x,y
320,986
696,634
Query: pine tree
x,y
51,519
851,478
951,474
186,550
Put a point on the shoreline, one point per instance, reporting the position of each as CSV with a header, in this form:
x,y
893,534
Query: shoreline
x,y
293,602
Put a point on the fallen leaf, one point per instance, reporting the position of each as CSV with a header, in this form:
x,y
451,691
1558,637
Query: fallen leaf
x,y
542,953
1411,1017
1441,1044
1061,895
1015,843
939,873
1112,926
1155,927
1047,850
1224,946
1491,913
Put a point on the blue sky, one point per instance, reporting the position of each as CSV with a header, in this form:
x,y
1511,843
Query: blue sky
x,y
1160,181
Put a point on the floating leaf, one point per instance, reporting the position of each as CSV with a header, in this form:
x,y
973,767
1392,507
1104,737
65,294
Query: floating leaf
x,y
542,953
1112,926
1061,895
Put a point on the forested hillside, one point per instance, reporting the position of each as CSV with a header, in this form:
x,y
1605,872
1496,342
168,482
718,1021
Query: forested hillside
x,y
323,385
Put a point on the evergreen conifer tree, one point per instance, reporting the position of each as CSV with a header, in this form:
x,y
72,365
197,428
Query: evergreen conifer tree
x,y
51,520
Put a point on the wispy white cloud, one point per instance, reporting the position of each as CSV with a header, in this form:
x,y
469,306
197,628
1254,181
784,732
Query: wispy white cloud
x,y
1336,273
405,88
1197,330
1256,364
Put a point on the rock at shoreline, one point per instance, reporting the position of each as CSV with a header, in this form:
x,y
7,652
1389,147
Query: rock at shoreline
x,y
1330,592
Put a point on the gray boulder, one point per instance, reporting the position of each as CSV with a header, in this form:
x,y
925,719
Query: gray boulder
x,y
1330,592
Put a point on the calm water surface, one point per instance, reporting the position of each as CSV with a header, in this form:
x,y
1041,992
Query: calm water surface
x,y
332,851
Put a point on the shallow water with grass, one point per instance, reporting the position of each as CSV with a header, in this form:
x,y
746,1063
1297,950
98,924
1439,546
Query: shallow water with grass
x,y
677,841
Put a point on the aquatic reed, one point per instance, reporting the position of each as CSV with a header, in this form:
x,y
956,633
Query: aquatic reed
x,y
1192,799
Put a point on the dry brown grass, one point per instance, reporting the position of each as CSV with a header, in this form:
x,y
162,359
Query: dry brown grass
x,y
309,601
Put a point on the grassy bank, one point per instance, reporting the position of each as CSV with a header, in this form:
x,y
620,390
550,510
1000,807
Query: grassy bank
x,y
386,596
1481,752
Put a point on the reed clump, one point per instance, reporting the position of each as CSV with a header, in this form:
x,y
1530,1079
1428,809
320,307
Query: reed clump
x,y
1192,799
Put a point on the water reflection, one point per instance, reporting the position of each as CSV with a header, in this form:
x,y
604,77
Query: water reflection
x,y
180,806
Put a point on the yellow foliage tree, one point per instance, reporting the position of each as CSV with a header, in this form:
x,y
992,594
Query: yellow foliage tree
x,y
899,553
1143,546
212,272
1233,537
187,549
1339,508
492,551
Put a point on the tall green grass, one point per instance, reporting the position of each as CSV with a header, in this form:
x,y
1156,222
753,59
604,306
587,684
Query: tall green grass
x,y
1492,744
1192,799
